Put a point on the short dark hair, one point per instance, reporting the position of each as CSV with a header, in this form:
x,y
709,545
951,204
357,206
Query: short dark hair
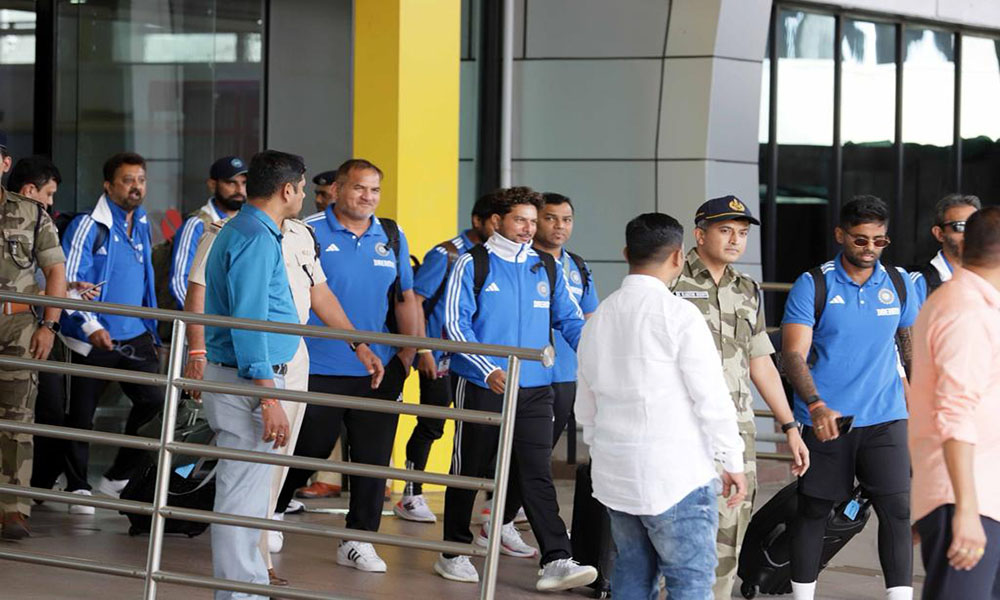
x,y
651,238
506,199
483,207
270,170
36,170
951,201
359,164
554,198
863,209
981,247
112,165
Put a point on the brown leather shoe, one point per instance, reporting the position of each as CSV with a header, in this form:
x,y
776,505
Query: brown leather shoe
x,y
319,490
15,526
275,580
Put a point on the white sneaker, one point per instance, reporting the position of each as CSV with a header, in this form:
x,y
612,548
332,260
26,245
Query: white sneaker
x,y
79,509
361,556
414,508
521,517
459,568
111,487
511,543
294,507
483,515
564,574
276,539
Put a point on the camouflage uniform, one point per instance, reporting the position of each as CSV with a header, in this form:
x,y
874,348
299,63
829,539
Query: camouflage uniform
x,y
734,315
22,253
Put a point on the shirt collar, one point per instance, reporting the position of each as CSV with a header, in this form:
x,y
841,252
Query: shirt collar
x,y
466,239
213,210
877,276
990,294
944,268
644,281
374,226
699,271
256,213
508,250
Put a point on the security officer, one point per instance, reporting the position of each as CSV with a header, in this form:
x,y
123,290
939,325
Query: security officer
x,y
227,181
5,158
324,183
30,240
731,304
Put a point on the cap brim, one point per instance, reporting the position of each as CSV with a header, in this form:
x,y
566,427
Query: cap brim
x,y
731,216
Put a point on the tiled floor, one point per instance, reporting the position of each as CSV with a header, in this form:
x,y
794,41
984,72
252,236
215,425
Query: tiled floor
x,y
309,561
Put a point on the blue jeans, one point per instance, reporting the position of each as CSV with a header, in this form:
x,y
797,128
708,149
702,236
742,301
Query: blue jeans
x,y
678,544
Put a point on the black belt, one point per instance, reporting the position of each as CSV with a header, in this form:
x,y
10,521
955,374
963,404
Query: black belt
x,y
281,369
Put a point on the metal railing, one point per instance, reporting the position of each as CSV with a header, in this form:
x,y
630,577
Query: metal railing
x,y
165,447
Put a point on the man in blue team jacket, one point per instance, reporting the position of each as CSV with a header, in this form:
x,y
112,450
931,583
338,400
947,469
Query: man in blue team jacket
x,y
110,247
518,302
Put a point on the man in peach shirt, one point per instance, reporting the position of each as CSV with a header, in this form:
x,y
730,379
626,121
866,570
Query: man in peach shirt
x,y
955,422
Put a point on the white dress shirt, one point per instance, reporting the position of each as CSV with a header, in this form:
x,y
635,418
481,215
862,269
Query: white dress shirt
x,y
652,400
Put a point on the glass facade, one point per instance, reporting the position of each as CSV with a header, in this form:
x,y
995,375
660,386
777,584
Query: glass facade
x,y
893,98
17,74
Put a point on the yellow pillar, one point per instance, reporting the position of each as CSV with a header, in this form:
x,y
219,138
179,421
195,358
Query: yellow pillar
x,y
406,113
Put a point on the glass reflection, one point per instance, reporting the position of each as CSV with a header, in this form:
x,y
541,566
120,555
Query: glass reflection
x,y
980,117
17,76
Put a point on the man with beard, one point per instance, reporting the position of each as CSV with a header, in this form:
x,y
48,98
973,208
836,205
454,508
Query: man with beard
x,y
950,216
109,246
844,322
227,181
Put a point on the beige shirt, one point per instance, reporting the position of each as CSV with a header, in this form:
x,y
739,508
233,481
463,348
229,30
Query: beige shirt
x,y
301,261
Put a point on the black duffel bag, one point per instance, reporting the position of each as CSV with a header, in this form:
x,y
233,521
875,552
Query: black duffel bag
x,y
193,492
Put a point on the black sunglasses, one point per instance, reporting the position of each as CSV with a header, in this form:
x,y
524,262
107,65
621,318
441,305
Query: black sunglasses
x,y
861,241
956,226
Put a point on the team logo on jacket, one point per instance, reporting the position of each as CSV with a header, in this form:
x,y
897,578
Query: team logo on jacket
x,y
885,296
543,289
574,276
382,249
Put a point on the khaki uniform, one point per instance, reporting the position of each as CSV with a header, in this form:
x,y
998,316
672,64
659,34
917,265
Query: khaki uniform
x,y
23,251
735,317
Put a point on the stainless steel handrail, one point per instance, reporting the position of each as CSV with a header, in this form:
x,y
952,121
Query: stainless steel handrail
x,y
166,446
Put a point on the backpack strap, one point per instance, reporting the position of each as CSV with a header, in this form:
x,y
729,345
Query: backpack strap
x,y
480,268
548,261
897,282
932,277
452,252
584,271
819,295
391,230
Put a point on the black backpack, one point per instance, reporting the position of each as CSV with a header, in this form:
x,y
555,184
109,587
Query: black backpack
x,y
584,271
932,277
391,229
63,219
452,252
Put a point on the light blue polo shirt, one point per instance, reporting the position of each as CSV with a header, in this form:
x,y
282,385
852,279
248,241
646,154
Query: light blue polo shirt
x,y
565,368
431,276
359,271
856,368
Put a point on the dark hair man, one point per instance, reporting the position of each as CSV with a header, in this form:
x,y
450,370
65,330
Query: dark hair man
x,y
5,157
110,246
654,441
245,277
366,262
955,404
435,384
227,182
950,216
847,315
37,178
324,187
503,292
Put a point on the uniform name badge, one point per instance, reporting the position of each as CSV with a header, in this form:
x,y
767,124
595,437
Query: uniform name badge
x,y
698,295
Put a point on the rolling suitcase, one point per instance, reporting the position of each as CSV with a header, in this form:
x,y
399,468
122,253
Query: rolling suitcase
x,y
590,535
764,565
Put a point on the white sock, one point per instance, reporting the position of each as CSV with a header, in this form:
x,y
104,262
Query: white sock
x,y
902,592
803,591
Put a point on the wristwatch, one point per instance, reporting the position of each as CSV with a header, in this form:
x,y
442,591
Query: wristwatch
x,y
813,400
354,346
789,425
52,325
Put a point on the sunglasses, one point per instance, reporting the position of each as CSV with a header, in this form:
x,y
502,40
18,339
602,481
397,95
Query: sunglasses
x,y
956,226
861,241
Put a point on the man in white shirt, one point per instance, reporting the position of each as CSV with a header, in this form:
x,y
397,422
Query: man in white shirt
x,y
657,414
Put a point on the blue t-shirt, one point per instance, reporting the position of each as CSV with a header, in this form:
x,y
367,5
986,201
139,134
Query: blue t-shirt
x,y
431,277
127,279
359,271
565,368
856,364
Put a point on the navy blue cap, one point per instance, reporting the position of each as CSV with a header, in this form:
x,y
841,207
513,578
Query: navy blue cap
x,y
3,140
325,178
227,167
724,209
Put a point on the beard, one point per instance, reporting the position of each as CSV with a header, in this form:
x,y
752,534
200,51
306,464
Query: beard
x,y
231,203
859,262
